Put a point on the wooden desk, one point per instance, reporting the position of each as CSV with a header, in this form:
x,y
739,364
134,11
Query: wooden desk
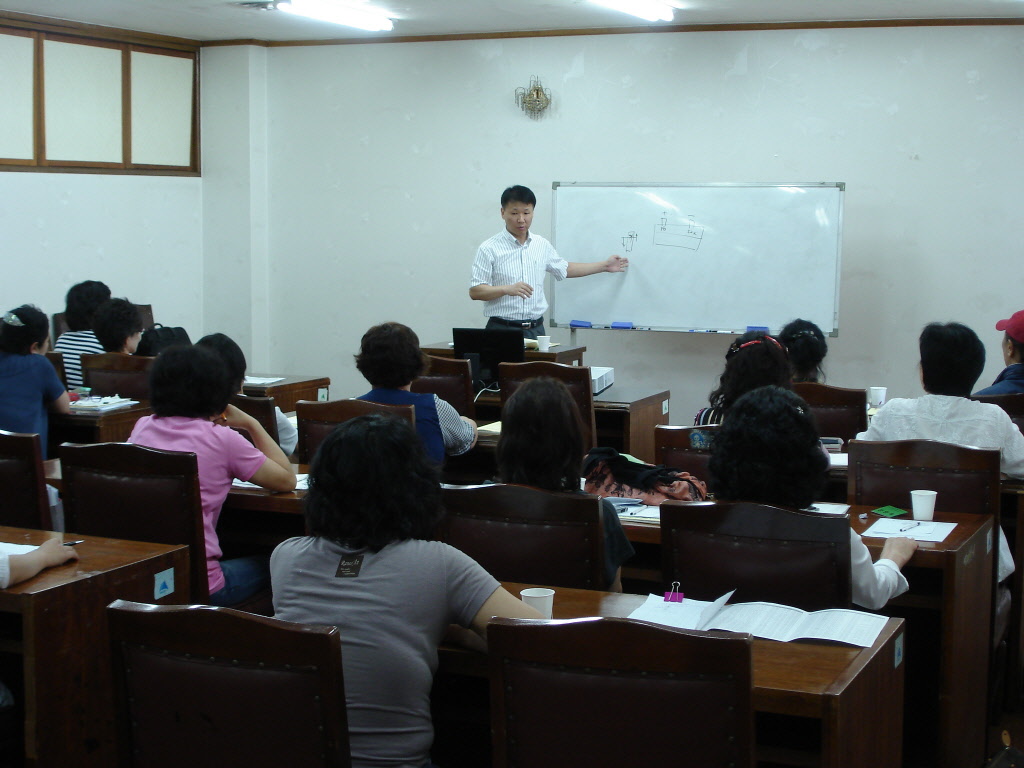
x,y
560,354
855,694
107,427
56,623
290,389
952,579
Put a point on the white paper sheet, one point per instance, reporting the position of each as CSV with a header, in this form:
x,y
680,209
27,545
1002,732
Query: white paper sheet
x,y
912,529
7,548
301,483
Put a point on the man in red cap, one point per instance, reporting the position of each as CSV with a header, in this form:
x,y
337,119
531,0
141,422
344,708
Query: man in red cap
x,y
1011,380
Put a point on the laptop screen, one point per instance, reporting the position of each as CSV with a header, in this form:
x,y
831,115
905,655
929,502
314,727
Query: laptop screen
x,y
489,347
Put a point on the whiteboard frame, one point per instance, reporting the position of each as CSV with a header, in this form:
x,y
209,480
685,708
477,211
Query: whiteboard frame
x,y
840,186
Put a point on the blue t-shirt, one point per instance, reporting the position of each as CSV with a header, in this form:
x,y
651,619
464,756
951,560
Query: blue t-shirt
x,y
428,425
28,384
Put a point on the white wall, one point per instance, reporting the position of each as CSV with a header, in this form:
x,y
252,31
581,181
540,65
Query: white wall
x,y
386,163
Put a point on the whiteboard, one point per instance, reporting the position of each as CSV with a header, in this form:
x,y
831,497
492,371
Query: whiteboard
x,y
702,257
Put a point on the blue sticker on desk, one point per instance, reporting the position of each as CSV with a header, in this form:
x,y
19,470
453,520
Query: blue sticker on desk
x,y
898,651
163,584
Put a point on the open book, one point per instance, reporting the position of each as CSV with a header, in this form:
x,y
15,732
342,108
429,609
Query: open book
x,y
101,404
770,620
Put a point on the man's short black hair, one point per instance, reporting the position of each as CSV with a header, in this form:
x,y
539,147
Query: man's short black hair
x,y
81,304
115,320
390,356
230,353
518,194
371,483
189,381
952,359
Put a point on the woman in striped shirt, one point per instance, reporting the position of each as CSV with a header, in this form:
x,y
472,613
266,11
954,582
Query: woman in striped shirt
x,y
80,306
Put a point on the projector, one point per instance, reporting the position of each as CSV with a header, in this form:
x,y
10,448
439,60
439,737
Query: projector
x,y
601,378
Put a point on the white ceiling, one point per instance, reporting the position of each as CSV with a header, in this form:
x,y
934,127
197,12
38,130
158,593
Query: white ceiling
x,y
225,20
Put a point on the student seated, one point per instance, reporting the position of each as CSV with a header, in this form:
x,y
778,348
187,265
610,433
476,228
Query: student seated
x,y
234,359
767,451
541,445
80,307
753,360
370,568
390,358
118,326
18,568
190,389
806,346
1011,380
29,385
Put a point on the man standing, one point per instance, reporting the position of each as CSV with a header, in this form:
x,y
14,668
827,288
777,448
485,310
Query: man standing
x,y
508,271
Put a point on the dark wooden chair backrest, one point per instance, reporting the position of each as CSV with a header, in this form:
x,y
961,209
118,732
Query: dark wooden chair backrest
x,y
886,471
116,374
528,535
683,697
575,377
263,409
200,685
125,491
60,323
452,381
57,360
1012,404
685,448
837,411
22,482
765,553
317,420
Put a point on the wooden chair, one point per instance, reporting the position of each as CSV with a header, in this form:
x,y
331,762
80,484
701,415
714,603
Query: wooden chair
x,y
200,685
528,535
452,381
680,697
22,482
317,420
765,553
685,448
1012,404
263,409
57,360
838,412
115,374
575,377
60,323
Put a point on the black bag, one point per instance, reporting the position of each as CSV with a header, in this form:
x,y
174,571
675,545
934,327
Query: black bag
x,y
158,338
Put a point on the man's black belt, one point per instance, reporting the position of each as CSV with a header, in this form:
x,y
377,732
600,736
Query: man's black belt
x,y
519,323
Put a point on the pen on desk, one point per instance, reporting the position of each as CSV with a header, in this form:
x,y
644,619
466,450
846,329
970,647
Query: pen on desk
x,y
908,527
72,543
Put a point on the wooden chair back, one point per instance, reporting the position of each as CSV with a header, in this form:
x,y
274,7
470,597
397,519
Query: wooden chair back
x,y
886,471
317,420
115,374
200,685
22,482
575,377
263,409
837,411
682,697
685,448
528,535
765,553
60,323
1012,404
57,360
126,491
452,381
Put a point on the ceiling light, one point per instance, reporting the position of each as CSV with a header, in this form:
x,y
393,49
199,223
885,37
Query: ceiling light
x,y
360,17
650,10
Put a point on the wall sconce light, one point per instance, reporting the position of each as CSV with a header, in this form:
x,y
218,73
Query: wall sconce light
x,y
534,99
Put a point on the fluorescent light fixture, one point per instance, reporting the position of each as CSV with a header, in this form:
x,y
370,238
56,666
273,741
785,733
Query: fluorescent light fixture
x,y
360,17
651,10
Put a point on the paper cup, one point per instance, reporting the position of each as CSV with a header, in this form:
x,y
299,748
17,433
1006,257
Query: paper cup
x,y
540,599
876,396
923,504
543,343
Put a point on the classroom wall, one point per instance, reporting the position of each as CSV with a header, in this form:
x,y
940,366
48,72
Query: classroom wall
x,y
386,163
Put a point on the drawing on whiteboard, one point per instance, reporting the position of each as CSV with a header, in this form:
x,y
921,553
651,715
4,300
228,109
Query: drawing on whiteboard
x,y
628,240
680,233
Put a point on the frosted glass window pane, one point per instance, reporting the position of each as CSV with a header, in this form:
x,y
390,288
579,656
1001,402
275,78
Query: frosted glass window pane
x,y
161,109
82,87
16,56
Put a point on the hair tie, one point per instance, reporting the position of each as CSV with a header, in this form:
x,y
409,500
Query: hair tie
x,y
12,319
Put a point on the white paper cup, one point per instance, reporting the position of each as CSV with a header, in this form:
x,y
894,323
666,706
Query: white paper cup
x,y
543,343
876,396
923,504
540,599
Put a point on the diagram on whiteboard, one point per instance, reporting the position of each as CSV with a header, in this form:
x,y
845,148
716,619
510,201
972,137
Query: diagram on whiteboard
x,y
678,232
628,241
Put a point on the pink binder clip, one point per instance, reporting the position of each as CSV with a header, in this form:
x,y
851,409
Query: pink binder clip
x,y
675,596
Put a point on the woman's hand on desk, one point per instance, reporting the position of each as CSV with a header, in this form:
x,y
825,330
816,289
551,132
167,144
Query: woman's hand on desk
x,y
899,549
50,553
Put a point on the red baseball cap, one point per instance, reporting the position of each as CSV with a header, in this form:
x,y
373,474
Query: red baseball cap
x,y
1014,326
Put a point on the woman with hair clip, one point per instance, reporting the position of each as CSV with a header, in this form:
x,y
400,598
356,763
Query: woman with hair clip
x,y
371,568
29,385
767,451
806,346
541,445
753,360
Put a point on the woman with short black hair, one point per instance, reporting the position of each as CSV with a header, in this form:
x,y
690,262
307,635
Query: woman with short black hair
x,y
806,346
81,303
